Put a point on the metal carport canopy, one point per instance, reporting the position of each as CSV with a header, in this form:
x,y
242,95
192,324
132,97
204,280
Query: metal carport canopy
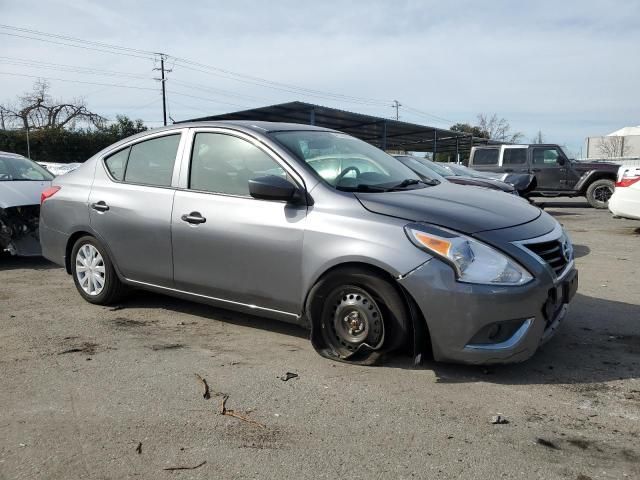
x,y
382,132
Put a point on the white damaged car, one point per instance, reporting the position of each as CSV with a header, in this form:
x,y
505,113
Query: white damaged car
x,y
625,201
22,181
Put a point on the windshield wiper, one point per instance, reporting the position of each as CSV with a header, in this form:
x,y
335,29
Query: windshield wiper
x,y
414,181
363,187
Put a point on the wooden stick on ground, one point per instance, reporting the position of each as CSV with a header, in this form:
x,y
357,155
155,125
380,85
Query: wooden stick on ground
x,y
226,411
185,468
206,393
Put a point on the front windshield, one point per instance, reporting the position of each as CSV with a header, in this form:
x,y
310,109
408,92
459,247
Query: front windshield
x,y
346,163
21,169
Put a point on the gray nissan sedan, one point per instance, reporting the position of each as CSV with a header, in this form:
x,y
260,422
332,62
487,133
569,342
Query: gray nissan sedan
x,y
312,226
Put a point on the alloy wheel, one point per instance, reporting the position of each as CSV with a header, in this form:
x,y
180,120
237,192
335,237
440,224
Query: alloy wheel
x,y
602,193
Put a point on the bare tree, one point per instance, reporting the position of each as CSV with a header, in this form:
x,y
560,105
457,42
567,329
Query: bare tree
x,y
498,128
613,146
38,110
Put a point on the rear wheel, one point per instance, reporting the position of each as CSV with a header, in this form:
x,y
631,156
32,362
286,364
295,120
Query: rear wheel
x,y
599,193
357,316
93,273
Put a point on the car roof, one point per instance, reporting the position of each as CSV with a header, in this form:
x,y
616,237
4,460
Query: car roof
x,y
11,155
253,125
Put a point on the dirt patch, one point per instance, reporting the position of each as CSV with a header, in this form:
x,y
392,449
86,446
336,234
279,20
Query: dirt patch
x,y
249,436
166,346
88,348
124,322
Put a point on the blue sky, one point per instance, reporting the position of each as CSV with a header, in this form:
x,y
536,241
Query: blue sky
x,y
569,69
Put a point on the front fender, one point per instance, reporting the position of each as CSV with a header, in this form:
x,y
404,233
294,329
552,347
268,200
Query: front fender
x,y
590,176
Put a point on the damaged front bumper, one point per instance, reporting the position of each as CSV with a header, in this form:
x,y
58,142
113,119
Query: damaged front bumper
x,y
19,230
483,324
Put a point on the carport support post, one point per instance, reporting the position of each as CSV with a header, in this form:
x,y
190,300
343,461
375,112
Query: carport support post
x,y
435,144
384,135
312,116
457,154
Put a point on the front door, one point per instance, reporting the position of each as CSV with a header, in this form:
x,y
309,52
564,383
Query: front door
x,y
130,208
228,245
549,166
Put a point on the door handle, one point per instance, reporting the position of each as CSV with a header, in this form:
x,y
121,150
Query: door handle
x,y
100,206
536,169
508,170
193,218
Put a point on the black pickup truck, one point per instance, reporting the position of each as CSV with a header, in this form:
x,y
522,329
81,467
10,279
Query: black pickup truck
x,y
555,174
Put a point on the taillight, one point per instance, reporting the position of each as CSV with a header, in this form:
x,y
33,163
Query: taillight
x,y
627,181
48,193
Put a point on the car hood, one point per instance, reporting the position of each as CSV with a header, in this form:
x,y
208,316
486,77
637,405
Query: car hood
x,y
586,166
465,209
18,193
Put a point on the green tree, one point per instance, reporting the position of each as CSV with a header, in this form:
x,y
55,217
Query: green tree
x,y
124,127
469,129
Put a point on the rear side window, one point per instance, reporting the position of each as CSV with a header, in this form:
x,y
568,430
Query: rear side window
x,y
117,162
486,156
151,162
514,156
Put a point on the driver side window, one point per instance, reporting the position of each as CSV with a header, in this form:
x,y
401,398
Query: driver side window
x,y
222,163
545,157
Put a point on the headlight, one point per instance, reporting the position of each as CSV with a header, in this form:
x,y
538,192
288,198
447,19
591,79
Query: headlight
x,y
473,262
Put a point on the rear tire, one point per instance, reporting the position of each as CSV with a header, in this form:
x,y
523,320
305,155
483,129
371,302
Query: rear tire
x,y
599,193
357,316
93,273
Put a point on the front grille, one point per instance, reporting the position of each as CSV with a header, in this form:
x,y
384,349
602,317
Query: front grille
x,y
551,253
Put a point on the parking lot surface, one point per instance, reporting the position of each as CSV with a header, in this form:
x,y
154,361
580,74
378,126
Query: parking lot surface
x,y
98,392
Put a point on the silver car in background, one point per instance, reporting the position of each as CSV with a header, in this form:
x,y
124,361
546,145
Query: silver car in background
x,y
314,227
21,184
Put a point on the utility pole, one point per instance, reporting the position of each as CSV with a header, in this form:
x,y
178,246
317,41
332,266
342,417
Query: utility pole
x,y
397,105
162,80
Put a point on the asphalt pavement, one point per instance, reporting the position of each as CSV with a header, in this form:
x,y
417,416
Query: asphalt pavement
x,y
89,392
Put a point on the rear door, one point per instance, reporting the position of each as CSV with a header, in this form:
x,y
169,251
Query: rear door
x,y
514,160
226,244
546,165
130,206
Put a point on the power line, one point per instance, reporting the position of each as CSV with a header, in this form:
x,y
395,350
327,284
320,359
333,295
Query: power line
x,y
68,68
271,84
76,81
190,65
77,46
75,39
146,54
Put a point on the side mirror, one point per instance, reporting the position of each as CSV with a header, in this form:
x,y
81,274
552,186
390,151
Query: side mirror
x,y
562,161
272,187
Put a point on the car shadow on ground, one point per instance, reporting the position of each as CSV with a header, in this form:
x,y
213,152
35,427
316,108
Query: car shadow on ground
x,y
9,262
543,203
146,299
598,342
580,250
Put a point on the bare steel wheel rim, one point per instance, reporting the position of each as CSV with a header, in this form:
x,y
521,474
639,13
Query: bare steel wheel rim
x,y
90,270
356,320
603,193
